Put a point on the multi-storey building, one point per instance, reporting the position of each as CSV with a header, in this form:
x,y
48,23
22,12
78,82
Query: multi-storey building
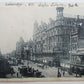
x,y
20,49
55,40
77,46
52,40
28,49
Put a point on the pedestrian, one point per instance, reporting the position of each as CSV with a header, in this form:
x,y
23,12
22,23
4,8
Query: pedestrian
x,y
43,67
17,74
27,63
76,73
63,73
80,74
11,74
12,71
59,74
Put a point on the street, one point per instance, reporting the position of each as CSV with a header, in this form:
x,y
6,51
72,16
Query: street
x,y
47,71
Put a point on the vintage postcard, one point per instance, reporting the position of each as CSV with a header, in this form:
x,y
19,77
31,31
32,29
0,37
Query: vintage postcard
x,y
41,41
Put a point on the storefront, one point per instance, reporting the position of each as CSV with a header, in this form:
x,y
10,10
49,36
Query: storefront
x,y
77,64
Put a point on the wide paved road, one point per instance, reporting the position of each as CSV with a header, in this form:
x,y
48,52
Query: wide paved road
x,y
47,72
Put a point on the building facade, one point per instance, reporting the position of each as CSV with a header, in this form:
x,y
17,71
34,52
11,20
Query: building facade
x,y
56,40
20,49
28,50
77,46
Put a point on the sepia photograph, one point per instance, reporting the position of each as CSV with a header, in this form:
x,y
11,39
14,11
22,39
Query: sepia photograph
x,y
41,40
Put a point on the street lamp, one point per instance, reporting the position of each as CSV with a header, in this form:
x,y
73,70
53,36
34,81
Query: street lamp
x,y
45,62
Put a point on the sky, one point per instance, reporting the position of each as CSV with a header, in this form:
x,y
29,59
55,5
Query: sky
x,y
18,21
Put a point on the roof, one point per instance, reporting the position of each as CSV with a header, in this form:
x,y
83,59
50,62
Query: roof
x,y
59,8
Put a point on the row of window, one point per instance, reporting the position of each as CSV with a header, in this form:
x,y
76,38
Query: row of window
x,y
74,30
74,39
74,46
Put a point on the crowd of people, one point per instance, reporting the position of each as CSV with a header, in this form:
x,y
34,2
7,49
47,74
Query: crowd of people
x,y
30,72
